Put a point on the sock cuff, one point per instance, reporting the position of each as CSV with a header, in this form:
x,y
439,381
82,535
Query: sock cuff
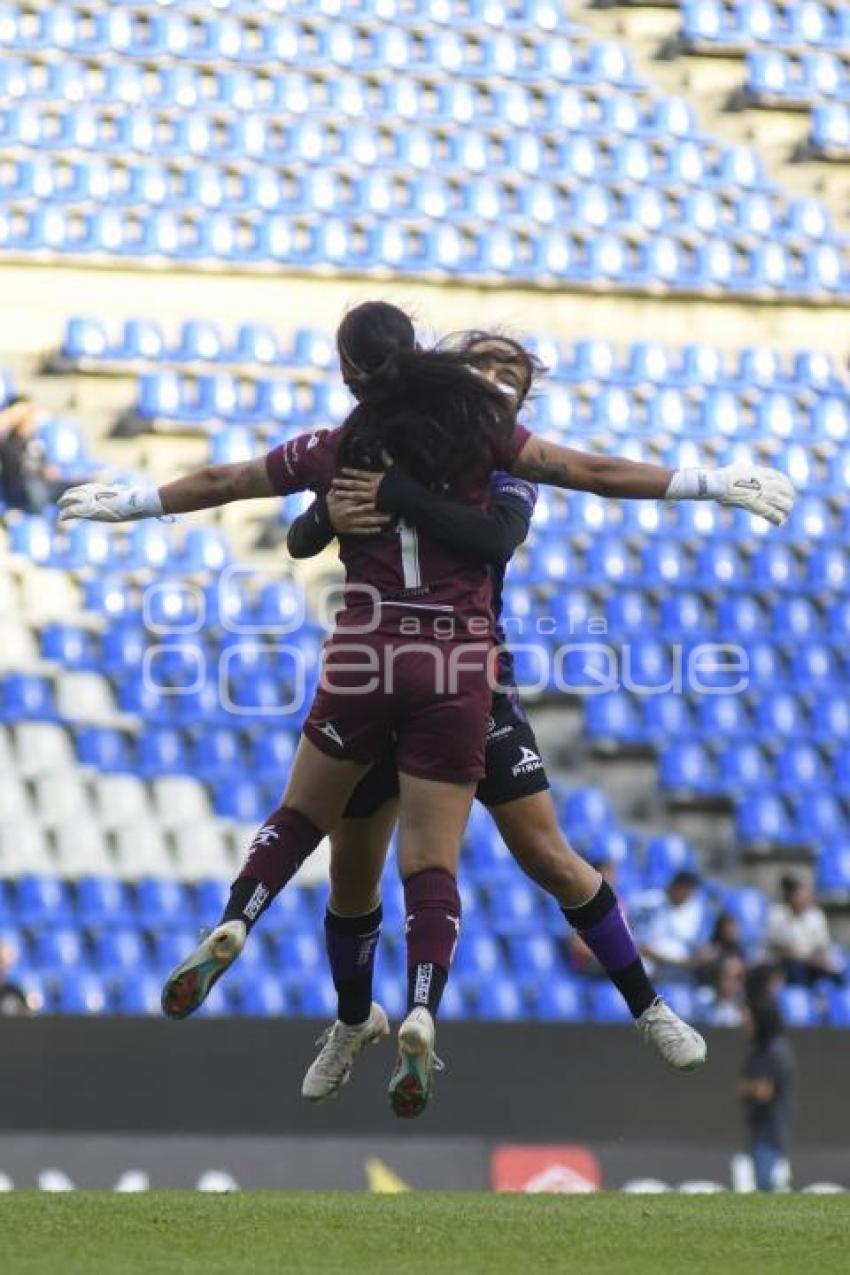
x,y
288,816
432,885
594,910
355,926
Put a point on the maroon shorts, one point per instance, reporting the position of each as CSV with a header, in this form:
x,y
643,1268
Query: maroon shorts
x,y
431,701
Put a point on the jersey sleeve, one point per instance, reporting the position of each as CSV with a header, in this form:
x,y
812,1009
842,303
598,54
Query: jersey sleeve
x,y
307,461
311,532
483,535
507,452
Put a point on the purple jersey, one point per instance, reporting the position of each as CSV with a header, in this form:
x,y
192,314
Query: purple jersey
x,y
413,574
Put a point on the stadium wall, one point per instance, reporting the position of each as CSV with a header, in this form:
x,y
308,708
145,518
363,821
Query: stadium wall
x,y
46,295
97,1099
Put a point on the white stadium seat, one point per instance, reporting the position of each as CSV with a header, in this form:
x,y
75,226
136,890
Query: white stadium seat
x,y
43,747
141,851
18,648
82,850
14,798
119,799
203,850
48,595
60,798
180,800
10,605
23,849
7,758
84,697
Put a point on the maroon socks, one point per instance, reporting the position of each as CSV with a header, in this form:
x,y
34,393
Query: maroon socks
x,y
285,840
432,905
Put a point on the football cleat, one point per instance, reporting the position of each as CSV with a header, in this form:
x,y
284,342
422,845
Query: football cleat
x,y
189,985
410,1083
340,1045
677,1042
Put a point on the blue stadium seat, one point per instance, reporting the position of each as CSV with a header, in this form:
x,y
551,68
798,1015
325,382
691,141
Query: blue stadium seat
x,y
750,908
561,999
106,750
799,1007
499,999
605,1003
762,821
665,856
687,770
137,996
162,903
101,902
81,993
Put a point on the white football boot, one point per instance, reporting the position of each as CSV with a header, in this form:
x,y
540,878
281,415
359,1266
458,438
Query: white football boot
x,y
189,985
340,1045
410,1083
677,1042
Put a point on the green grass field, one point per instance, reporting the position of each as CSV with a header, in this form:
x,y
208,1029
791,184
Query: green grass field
x,y
421,1234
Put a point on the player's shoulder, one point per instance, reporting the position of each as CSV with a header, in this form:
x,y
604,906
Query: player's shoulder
x,y
506,486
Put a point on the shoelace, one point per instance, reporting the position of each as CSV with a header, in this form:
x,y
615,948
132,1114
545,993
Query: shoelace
x,y
328,1062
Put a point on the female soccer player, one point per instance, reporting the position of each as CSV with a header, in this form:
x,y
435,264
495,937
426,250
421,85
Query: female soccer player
x,y
439,419
515,788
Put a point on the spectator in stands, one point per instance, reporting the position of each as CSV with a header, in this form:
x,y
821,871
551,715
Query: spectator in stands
x,y
13,999
798,936
725,996
674,931
724,944
27,481
766,1087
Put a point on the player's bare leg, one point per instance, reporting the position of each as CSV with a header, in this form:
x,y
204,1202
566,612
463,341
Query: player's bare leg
x,y
530,829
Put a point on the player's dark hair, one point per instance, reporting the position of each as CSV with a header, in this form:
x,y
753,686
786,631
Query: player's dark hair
x,y
428,408
502,357
767,1021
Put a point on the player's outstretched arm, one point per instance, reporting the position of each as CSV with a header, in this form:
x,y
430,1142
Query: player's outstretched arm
x,y
760,490
203,489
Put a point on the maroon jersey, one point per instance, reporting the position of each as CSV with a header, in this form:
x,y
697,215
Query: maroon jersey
x,y
414,575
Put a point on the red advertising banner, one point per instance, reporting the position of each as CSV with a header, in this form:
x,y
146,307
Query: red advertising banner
x,y
558,1170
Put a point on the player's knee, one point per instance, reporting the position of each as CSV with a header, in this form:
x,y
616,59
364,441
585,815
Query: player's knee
x,y
353,892
546,857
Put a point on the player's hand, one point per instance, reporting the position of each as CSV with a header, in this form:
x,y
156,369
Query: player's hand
x,y
360,486
100,502
354,518
758,489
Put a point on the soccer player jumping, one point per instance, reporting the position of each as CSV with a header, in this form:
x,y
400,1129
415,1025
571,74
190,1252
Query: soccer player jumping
x,y
436,417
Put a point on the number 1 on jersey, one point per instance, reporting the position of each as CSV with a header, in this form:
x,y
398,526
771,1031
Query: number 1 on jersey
x,y
410,569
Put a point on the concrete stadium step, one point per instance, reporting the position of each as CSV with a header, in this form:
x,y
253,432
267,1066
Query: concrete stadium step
x,y
714,86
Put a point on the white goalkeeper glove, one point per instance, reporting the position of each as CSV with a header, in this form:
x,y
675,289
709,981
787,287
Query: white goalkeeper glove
x,y
99,502
756,488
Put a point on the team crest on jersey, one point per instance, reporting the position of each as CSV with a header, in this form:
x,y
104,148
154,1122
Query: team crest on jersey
x,y
529,761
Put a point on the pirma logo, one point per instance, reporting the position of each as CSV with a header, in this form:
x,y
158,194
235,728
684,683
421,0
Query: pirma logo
x,y
328,729
529,761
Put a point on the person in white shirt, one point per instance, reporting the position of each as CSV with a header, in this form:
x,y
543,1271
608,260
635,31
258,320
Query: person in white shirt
x,y
674,933
798,936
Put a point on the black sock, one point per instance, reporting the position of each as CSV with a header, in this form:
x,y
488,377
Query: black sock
x,y
248,901
602,926
426,983
351,943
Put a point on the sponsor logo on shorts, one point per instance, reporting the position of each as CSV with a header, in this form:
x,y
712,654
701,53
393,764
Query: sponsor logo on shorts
x,y
529,761
255,904
497,732
328,729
